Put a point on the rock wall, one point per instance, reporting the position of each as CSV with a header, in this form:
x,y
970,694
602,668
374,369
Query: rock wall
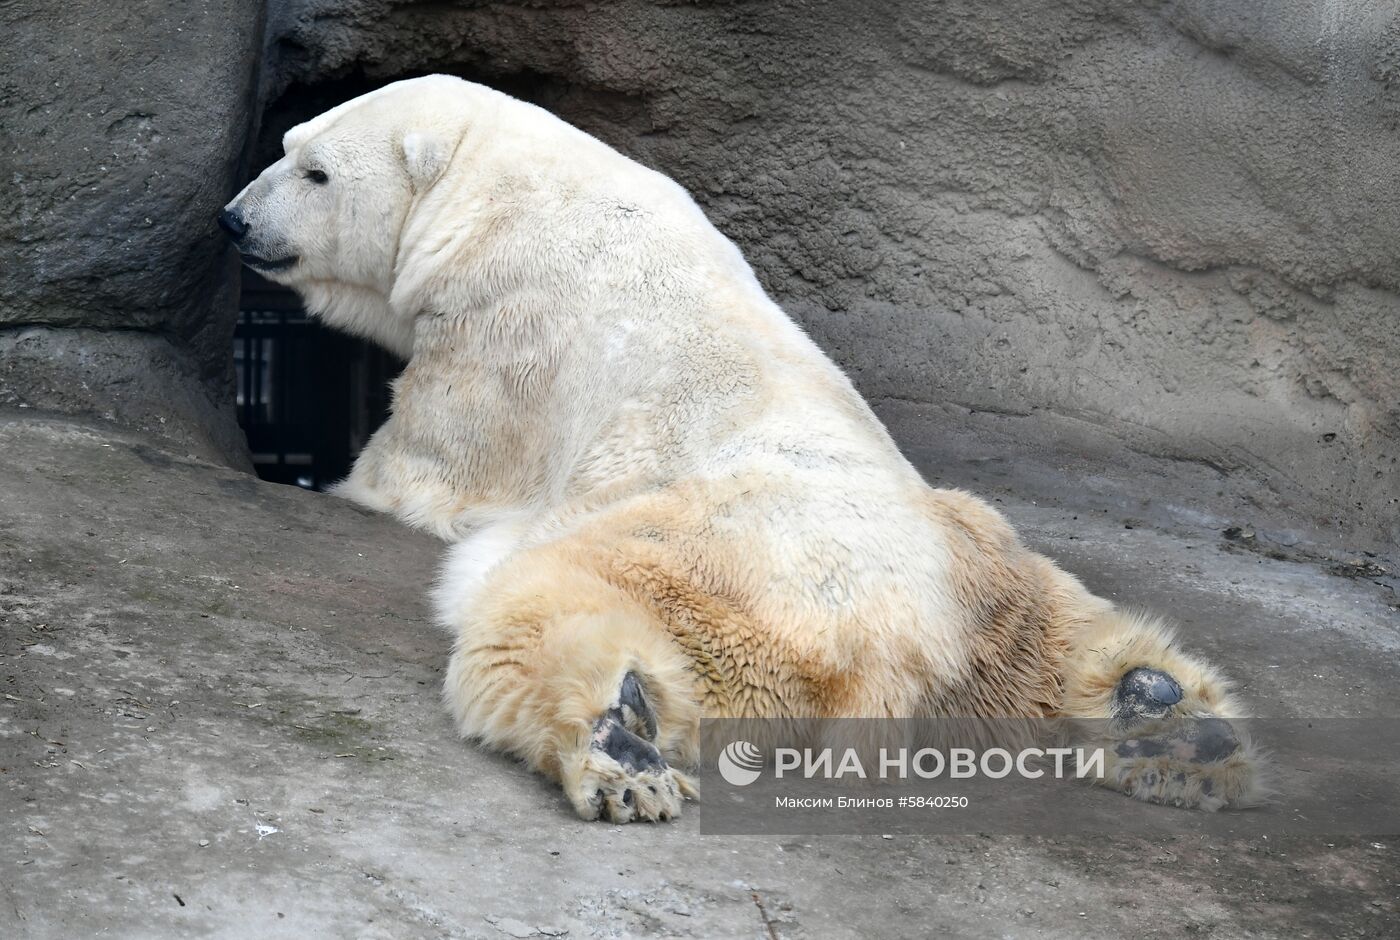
x,y
1160,231
1169,224
122,130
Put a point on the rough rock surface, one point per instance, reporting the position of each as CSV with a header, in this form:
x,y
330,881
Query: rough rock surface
x,y
1173,225
1161,229
128,377
122,131
219,716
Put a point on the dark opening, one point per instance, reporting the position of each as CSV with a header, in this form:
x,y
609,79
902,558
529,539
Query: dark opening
x,y
308,396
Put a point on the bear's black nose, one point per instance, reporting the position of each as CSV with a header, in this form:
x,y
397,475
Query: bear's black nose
x,y
230,221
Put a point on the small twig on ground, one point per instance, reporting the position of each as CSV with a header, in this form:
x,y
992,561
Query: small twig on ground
x,y
767,921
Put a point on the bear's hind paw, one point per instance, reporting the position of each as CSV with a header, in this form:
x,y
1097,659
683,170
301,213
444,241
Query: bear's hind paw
x,y
1161,753
622,776
1196,762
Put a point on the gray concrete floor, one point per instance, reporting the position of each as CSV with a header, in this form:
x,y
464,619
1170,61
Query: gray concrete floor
x,y
219,717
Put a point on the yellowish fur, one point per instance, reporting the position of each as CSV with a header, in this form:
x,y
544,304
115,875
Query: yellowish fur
x,y
646,467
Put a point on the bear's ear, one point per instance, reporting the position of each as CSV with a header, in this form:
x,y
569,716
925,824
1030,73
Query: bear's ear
x,y
425,155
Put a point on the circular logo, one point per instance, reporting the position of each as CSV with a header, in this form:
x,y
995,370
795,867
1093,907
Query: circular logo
x,y
740,763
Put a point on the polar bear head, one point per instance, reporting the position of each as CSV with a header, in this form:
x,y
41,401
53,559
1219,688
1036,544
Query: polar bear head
x,y
327,219
436,194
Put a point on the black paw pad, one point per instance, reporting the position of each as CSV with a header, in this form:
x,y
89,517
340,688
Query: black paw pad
x,y
1144,694
1213,739
635,711
1202,742
632,752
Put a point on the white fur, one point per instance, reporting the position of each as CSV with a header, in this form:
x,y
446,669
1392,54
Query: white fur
x,y
426,156
466,565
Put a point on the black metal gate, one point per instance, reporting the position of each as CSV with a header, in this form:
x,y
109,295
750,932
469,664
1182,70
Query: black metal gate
x,y
308,397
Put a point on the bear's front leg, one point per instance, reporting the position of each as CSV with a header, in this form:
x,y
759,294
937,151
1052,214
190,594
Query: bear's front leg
x,y
557,668
399,475
364,485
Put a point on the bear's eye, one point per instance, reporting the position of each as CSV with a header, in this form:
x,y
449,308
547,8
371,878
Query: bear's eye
x,y
317,177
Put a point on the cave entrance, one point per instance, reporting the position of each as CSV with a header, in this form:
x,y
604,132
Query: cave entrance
x,y
308,396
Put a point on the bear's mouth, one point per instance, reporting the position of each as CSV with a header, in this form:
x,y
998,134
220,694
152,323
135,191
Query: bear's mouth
x,y
269,264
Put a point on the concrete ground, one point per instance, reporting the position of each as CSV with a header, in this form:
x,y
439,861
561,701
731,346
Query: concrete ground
x,y
219,717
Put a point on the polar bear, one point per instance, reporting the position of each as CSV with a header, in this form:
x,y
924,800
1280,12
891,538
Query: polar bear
x,y
663,500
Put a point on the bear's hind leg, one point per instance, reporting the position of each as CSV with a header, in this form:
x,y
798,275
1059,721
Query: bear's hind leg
x,y
559,669
1170,730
